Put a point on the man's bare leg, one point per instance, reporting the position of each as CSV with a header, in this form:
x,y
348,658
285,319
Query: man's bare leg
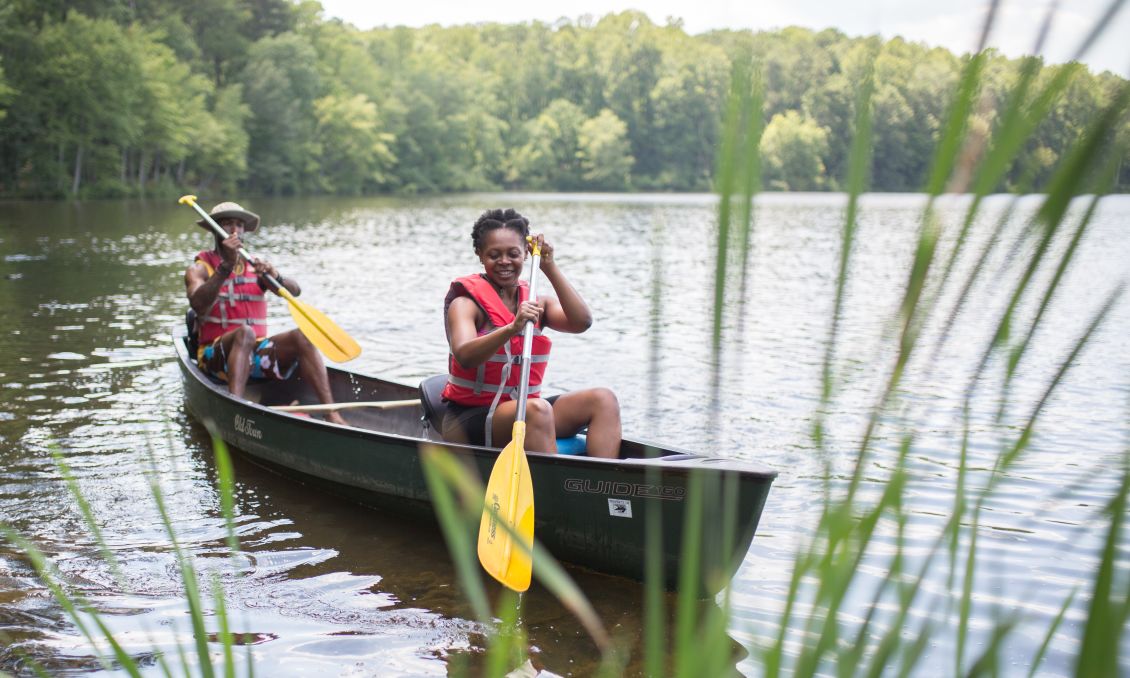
x,y
237,346
294,345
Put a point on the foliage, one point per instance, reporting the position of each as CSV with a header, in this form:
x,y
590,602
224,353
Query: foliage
x,y
281,83
551,155
5,93
791,150
603,149
355,154
227,94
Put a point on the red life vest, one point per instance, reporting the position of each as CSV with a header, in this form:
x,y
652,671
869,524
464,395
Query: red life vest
x,y
502,371
240,302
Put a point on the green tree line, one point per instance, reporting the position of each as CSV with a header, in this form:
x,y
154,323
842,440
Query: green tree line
x,y
107,98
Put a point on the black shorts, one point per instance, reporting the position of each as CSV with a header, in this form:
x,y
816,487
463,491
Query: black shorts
x,y
463,424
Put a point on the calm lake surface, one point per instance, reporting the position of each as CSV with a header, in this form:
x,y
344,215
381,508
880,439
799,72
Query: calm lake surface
x,y
88,292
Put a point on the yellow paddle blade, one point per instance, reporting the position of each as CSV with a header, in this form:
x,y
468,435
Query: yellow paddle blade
x,y
510,492
321,331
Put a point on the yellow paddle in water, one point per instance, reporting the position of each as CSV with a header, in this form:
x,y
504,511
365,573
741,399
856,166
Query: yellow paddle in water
x,y
510,490
320,330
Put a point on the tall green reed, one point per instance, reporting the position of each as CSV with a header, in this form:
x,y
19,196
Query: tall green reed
x,y
893,633
847,527
209,650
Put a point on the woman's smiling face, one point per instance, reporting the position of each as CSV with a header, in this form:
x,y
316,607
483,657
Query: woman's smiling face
x,y
503,254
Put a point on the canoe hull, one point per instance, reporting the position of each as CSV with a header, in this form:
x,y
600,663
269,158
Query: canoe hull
x,y
590,512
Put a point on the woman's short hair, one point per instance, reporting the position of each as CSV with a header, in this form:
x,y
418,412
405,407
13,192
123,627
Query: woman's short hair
x,y
498,218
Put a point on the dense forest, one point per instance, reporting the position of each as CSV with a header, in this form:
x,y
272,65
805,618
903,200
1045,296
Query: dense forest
x,y
109,98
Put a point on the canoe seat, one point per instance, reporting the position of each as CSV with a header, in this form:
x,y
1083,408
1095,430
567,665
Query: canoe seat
x,y
190,337
431,390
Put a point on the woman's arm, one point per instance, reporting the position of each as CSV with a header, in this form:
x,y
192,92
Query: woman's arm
x,y
568,312
463,320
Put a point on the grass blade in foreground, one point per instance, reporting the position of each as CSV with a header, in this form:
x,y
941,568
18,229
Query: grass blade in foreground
x,y
1107,614
75,607
188,578
438,464
549,572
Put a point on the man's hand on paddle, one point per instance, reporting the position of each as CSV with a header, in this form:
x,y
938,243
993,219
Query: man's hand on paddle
x,y
229,249
264,267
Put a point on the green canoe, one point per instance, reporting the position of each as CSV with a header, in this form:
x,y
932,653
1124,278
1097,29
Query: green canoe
x,y
590,512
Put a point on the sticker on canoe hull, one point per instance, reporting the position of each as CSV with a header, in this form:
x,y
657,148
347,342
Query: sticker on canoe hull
x,y
620,508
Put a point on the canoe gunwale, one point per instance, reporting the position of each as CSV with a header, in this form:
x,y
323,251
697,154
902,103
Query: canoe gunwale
x,y
674,458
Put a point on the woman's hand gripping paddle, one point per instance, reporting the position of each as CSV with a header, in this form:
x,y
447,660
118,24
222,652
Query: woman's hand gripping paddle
x,y
510,491
320,330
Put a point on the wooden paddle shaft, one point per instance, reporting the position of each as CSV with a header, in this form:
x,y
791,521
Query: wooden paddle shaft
x,y
528,341
378,404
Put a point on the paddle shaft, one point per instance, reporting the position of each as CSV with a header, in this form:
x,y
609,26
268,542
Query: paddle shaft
x,y
517,462
528,342
510,483
223,235
378,404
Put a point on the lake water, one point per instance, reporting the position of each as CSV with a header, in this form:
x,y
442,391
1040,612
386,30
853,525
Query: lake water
x,y
89,290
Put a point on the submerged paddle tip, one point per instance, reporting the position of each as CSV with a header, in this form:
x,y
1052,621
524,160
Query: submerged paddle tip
x,y
187,199
515,575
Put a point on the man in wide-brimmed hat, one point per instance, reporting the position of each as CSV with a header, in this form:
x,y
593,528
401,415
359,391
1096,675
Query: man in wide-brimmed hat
x,y
231,210
228,295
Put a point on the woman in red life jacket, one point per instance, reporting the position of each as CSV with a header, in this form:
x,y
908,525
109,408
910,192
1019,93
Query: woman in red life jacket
x,y
485,315
229,297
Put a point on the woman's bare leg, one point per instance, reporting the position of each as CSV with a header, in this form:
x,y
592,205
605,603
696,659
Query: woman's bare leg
x,y
596,408
540,436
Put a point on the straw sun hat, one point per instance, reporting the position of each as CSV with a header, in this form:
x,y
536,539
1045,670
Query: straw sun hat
x,y
228,210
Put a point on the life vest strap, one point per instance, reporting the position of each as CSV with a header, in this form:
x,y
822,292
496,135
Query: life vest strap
x,y
241,297
514,360
491,388
235,321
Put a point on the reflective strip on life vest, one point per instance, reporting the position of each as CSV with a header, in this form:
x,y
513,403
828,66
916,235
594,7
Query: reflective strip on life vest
x,y
514,360
235,321
491,388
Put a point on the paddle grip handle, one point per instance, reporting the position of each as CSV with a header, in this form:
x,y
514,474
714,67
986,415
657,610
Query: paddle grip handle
x,y
222,234
528,341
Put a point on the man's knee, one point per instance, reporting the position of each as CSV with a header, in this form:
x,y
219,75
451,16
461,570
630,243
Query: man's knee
x,y
244,338
295,340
